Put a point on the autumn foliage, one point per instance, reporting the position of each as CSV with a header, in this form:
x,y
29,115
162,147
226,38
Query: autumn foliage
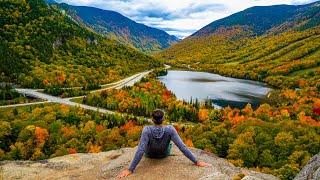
x,y
278,137
41,135
286,60
144,97
25,136
46,49
203,115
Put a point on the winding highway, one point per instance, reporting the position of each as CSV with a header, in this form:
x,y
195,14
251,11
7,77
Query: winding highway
x,y
130,81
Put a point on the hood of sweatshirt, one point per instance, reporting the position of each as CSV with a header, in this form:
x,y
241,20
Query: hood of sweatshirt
x,y
157,132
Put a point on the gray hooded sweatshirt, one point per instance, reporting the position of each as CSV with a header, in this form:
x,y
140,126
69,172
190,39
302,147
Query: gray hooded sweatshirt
x,y
155,141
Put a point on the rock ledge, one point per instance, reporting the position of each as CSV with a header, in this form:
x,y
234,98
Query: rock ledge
x,y
106,165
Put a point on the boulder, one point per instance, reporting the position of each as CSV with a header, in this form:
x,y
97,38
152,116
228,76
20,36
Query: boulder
x,y
311,171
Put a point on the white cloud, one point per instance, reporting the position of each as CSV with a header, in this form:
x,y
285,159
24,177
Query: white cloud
x,y
181,17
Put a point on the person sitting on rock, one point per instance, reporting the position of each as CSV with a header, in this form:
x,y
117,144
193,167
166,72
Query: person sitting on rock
x,y
155,143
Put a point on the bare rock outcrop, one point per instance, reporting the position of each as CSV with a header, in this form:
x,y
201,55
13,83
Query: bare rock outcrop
x,y
106,165
311,171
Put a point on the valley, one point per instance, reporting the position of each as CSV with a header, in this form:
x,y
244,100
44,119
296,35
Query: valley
x,y
273,60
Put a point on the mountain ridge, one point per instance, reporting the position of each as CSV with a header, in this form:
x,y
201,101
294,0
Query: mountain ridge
x,y
46,48
281,55
116,26
261,19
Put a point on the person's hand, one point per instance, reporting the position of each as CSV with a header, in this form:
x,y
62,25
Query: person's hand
x,y
124,173
203,164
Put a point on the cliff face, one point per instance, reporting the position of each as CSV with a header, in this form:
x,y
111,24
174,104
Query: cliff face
x,y
106,165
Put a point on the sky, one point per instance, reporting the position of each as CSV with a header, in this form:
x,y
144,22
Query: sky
x,y
178,17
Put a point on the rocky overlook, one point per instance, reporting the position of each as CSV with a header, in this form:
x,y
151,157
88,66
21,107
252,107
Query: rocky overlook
x,y
106,165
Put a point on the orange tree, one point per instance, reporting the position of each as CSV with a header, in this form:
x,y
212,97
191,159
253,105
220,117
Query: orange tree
x,y
44,131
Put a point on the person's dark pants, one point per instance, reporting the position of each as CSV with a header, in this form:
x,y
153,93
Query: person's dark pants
x,y
159,156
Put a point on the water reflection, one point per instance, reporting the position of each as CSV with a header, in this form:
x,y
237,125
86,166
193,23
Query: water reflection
x,y
223,91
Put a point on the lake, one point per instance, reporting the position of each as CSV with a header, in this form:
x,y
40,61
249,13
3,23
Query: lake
x,y
223,91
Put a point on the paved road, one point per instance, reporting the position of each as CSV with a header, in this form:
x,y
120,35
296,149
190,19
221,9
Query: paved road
x,y
24,104
130,81
59,100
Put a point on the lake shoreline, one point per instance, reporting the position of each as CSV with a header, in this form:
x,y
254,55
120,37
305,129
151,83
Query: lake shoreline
x,y
223,91
174,67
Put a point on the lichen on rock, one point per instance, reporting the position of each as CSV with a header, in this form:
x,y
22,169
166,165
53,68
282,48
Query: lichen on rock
x,y
311,171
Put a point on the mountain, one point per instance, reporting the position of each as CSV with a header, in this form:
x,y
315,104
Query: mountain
x,y
41,46
106,165
260,20
116,26
260,43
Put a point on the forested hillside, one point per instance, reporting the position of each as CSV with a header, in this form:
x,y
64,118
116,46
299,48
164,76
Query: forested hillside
x,y
40,46
290,59
120,28
284,59
272,19
279,45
